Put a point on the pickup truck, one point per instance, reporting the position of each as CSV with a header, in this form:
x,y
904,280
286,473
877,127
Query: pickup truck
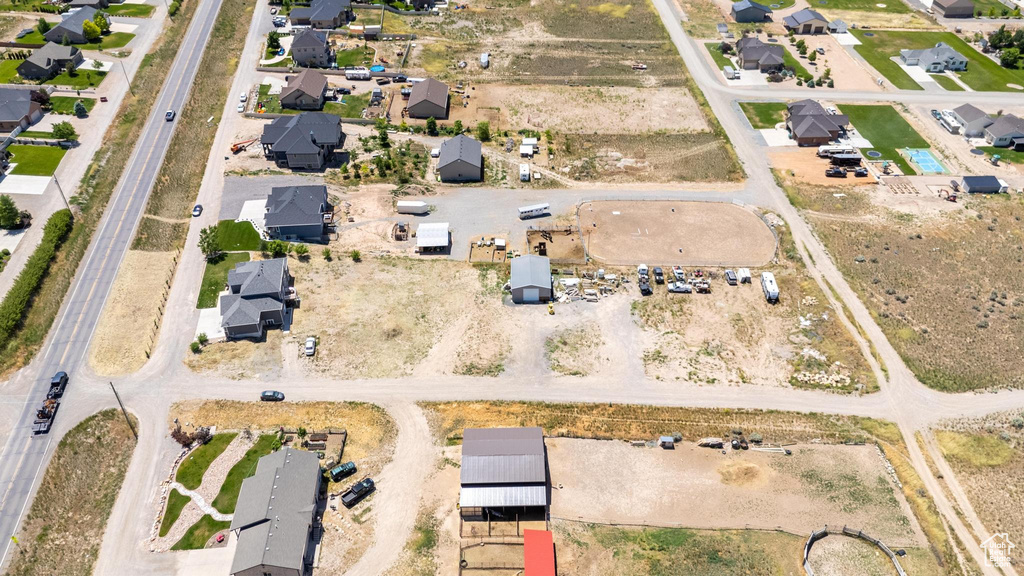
x,y
357,492
645,286
57,385
659,275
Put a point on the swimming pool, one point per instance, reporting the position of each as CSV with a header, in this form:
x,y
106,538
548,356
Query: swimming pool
x,y
925,161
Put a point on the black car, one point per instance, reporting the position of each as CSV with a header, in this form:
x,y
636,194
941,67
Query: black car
x,y
645,286
835,173
197,210
342,91
57,385
271,396
659,275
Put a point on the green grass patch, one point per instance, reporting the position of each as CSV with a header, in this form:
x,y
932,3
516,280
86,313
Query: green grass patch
x,y
1005,154
175,504
227,498
272,102
36,134
35,160
130,10
975,450
791,61
190,472
887,131
985,6
110,41
351,105
715,49
764,114
891,6
9,70
947,83
33,37
354,57
200,533
237,236
216,276
79,80
982,74
66,104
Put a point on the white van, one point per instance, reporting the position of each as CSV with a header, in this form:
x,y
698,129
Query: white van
x,y
771,289
533,211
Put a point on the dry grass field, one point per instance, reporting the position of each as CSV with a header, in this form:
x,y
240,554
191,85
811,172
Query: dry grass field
x,y
240,359
651,157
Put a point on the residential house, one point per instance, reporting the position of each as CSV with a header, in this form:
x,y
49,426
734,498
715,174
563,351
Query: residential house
x,y
304,91
461,160
838,27
753,54
749,11
939,58
310,49
304,141
97,4
805,21
275,518
49,61
1006,130
17,110
954,8
972,120
298,213
428,99
503,470
322,14
256,297
71,27
531,279
810,125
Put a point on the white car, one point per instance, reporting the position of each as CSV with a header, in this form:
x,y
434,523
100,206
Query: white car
x,y
310,346
244,97
273,10
680,287
679,273
241,108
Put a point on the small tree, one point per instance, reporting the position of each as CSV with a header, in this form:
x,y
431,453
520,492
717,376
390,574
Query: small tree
x,y
80,109
1009,57
209,242
457,128
43,26
483,131
278,248
302,251
812,56
202,338
327,254
274,40
64,40
69,67
102,22
97,65
382,137
195,347
91,31
301,433
10,216
64,131
355,255
431,126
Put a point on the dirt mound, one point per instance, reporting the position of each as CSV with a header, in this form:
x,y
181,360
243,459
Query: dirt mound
x,y
736,473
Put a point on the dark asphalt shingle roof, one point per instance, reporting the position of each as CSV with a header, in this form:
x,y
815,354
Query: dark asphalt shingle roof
x,y
296,206
52,52
15,104
258,278
462,148
322,10
309,38
802,17
1006,125
72,23
744,4
428,90
291,135
308,82
969,112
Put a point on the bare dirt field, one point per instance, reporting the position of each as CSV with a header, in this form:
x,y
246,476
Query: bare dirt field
x,y
651,157
128,326
575,351
560,245
683,233
803,164
240,359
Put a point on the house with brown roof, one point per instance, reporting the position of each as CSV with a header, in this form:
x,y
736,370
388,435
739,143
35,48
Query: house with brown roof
x,y
428,99
753,54
811,125
304,91
17,109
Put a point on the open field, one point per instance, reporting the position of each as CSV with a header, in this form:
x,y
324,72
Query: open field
x,y
981,74
64,527
127,327
987,456
764,114
652,157
573,352
35,160
887,131
686,233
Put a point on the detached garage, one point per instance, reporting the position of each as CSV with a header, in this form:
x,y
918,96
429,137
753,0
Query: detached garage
x,y
984,185
531,279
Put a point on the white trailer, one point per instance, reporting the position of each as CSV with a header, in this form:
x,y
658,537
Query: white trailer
x,y
533,211
412,207
729,72
524,172
771,289
829,150
357,74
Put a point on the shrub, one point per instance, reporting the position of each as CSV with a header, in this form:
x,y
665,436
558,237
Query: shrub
x,y
174,7
327,254
195,347
202,338
355,255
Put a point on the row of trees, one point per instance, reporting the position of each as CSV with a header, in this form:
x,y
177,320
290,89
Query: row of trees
x,y
1010,45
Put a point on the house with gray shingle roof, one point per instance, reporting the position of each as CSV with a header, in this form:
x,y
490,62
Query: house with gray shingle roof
x,y
256,297
749,11
461,160
938,58
1006,130
304,141
811,125
48,61
310,48
71,27
428,99
972,119
753,54
97,4
17,110
275,516
805,21
304,91
322,14
298,212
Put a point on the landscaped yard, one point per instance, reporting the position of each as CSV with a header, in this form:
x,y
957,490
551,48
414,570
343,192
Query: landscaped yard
x,y
986,6
36,134
216,277
791,61
947,83
190,472
66,104
351,105
9,70
80,80
244,468
200,533
764,114
715,49
887,131
33,37
354,57
1005,154
132,10
35,160
272,103
237,236
893,6
175,504
982,74
112,40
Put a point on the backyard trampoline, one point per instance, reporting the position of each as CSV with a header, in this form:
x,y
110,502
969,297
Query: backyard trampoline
x,y
924,159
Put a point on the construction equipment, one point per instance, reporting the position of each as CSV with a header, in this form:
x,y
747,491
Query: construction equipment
x,y
947,195
241,146
551,309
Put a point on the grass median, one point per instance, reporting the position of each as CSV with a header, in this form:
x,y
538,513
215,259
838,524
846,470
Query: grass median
x,y
93,194
227,498
190,473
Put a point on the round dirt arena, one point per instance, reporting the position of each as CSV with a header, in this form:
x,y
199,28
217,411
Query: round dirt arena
x,y
675,233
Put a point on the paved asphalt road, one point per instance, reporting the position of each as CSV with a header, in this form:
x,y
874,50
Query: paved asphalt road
x,y
25,455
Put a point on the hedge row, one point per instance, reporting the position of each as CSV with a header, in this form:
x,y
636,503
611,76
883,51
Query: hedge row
x,y
13,307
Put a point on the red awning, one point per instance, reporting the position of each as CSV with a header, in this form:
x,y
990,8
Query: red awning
x,y
539,552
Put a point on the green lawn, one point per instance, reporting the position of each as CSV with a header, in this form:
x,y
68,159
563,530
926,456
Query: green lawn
x,y
200,533
947,83
190,472
237,236
887,131
36,134
244,468
33,37
66,104
715,49
35,160
1005,154
9,70
351,105
272,103
133,10
82,79
282,64
764,114
985,5
982,74
216,276
112,40
354,57
791,61
892,6
175,503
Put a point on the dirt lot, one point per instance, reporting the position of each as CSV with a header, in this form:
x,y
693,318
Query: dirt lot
x,y
803,165
561,245
685,233
574,352
240,359
127,328
652,157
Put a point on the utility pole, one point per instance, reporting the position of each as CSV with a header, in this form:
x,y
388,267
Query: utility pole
x,y
62,196
126,79
125,412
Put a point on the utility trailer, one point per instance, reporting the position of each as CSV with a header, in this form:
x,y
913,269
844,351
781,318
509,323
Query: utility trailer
x,y
45,416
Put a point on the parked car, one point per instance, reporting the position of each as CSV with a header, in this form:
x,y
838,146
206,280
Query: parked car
x,y
730,277
169,115
936,114
243,97
357,492
271,396
342,91
641,270
678,273
401,78
645,286
57,385
835,173
860,172
240,108
680,288
197,210
343,471
659,275
278,23
273,10
310,346
820,50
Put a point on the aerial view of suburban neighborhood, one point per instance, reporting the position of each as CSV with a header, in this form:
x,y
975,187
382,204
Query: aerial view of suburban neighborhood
x,y
511,287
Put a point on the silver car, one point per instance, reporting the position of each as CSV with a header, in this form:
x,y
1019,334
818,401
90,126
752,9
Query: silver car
x,y
680,287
